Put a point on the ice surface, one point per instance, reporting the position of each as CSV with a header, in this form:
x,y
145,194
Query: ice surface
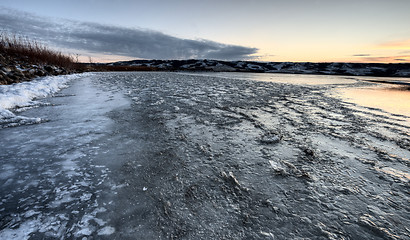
x,y
299,79
23,95
106,231
206,156
22,232
49,179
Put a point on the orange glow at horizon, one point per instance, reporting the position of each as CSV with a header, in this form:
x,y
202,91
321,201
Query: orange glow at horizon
x,y
375,57
387,52
397,45
390,52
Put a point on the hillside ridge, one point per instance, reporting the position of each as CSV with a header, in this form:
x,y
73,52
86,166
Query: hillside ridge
x,y
330,68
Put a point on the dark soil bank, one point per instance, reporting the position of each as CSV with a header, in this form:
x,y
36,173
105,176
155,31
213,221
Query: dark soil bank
x,y
15,69
178,156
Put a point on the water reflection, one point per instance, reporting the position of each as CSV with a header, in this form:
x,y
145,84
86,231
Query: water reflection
x,y
388,80
388,97
303,79
386,93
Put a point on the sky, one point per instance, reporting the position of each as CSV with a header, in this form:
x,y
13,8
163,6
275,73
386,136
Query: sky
x,y
261,30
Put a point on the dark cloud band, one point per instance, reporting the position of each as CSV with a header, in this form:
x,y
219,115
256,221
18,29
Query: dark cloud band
x,y
361,55
113,40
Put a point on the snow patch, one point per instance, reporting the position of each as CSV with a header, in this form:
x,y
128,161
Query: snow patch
x,y
22,95
22,232
106,231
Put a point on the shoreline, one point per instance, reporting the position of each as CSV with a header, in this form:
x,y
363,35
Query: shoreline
x,y
15,69
18,69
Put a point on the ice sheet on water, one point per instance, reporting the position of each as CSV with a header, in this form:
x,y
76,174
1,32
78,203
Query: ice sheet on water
x,y
22,232
22,95
106,231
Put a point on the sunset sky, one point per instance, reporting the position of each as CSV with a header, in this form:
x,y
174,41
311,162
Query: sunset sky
x,y
264,30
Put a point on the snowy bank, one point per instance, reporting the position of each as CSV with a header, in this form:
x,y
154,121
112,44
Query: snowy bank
x,y
23,95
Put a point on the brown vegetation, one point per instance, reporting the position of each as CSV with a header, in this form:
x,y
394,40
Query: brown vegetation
x,y
33,52
22,59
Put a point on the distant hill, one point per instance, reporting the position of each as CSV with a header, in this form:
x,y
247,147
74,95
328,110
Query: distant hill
x,y
352,69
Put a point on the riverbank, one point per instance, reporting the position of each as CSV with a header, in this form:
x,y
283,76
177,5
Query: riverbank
x,y
22,59
15,69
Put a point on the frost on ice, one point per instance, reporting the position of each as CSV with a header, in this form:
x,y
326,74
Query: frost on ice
x,y
50,183
21,96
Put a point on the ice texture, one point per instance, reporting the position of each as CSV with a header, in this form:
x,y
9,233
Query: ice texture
x,y
23,95
51,185
154,155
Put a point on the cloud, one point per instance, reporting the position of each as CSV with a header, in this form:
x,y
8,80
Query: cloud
x,y
361,55
114,40
263,57
387,59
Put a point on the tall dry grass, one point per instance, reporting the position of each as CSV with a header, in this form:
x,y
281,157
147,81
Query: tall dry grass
x,y
33,52
30,51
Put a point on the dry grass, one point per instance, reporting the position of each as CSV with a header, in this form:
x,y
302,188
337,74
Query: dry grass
x,y
33,51
30,51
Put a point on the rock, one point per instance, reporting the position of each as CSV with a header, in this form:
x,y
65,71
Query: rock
x,y
27,74
58,70
18,74
12,76
6,69
49,69
40,73
3,79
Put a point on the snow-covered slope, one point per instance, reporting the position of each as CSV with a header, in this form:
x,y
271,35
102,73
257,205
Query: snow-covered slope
x,y
355,69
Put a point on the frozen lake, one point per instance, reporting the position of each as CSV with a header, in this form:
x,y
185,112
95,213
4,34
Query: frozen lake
x,y
207,156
